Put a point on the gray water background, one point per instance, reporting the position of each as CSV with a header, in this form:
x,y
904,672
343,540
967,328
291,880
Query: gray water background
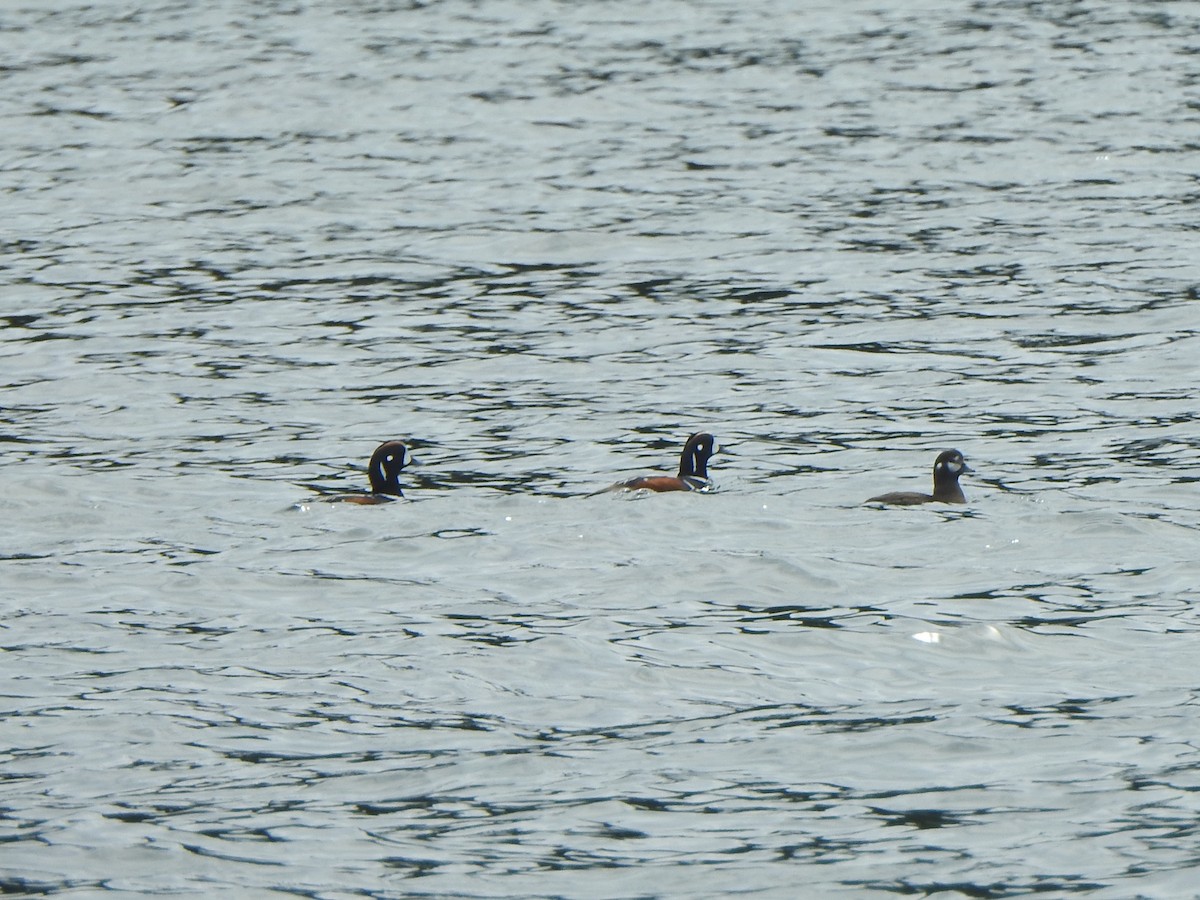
x,y
242,243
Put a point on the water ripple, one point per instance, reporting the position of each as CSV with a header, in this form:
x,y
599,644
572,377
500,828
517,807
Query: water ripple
x,y
543,244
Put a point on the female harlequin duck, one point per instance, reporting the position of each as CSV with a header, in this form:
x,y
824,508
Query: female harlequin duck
x,y
693,470
946,469
384,469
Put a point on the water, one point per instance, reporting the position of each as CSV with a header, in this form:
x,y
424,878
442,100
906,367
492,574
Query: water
x,y
544,242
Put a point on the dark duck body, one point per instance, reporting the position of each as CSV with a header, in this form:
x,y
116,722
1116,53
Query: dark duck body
x,y
946,469
388,460
693,469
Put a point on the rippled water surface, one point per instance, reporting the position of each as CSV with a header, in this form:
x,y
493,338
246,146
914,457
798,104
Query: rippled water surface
x,y
543,242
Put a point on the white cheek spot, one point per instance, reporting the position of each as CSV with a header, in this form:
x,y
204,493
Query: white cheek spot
x,y
954,467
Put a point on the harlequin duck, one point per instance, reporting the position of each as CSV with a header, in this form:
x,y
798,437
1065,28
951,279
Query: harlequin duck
x,y
693,470
384,469
946,469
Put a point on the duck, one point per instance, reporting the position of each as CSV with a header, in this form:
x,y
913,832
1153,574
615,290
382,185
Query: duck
x,y
384,469
946,469
693,469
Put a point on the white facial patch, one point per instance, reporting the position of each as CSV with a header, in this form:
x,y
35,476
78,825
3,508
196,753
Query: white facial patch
x,y
954,467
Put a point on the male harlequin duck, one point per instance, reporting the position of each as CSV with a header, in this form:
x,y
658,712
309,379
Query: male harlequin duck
x,y
384,469
693,470
946,469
